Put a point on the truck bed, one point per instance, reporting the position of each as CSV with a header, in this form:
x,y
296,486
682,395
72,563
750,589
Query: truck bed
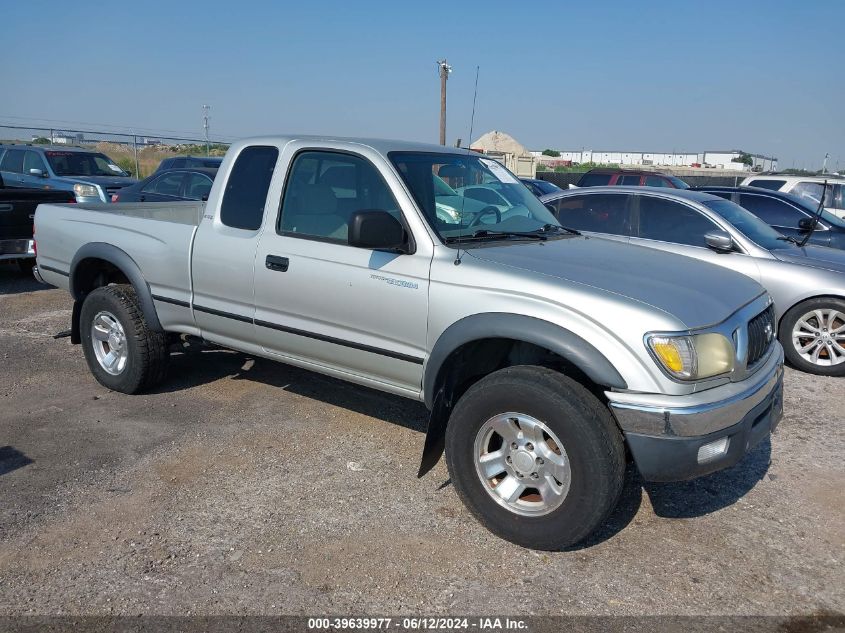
x,y
158,236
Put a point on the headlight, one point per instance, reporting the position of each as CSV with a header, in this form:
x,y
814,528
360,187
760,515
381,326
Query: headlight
x,y
86,191
695,356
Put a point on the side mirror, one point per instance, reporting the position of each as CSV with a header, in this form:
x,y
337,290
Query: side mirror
x,y
376,229
805,224
38,172
719,241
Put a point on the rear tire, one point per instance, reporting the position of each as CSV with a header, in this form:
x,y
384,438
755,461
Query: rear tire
x,y
529,418
122,352
809,336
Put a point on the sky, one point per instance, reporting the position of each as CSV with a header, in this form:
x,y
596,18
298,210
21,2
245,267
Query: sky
x,y
764,76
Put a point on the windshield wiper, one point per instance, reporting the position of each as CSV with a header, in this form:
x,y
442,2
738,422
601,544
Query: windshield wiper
x,y
557,227
788,238
485,234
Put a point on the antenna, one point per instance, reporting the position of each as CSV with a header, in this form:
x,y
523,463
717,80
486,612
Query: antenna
x,y
205,118
469,149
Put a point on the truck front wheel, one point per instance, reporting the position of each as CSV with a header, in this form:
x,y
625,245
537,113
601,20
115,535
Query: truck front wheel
x,y
122,352
535,457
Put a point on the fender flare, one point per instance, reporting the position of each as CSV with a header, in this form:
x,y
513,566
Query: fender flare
x,y
123,262
527,329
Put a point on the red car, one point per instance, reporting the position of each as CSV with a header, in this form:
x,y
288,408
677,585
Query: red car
x,y
631,177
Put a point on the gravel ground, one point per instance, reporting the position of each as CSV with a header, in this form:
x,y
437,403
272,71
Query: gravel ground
x,y
242,486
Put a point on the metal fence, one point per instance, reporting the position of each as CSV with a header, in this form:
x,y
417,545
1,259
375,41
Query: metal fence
x,y
563,180
72,137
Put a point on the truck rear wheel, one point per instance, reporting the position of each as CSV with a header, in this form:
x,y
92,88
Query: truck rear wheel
x,y
122,352
535,457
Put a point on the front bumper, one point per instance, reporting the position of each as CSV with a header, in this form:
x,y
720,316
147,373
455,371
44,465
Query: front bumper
x,y
665,441
16,249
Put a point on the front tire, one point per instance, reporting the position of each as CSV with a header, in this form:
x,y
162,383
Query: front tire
x,y
122,352
813,336
535,457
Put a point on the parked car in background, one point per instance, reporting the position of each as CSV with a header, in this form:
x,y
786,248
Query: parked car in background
x,y
91,176
544,357
178,162
17,210
603,176
787,213
809,187
540,187
807,284
169,185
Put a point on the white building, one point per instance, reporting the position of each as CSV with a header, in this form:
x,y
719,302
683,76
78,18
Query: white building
x,y
717,159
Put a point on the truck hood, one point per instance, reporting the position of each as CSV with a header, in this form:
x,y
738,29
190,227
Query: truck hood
x,y
695,292
104,181
815,256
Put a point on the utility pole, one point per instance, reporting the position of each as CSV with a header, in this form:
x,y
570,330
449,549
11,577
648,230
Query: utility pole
x,y
444,70
824,164
205,118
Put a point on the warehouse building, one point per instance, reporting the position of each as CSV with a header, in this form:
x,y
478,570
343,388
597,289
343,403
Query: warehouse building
x,y
725,159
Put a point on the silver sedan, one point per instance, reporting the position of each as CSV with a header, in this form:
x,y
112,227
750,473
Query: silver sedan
x,y
807,283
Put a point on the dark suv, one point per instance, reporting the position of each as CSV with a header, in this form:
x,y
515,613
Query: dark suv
x,y
601,177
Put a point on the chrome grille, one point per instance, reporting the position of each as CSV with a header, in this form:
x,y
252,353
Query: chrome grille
x,y
761,334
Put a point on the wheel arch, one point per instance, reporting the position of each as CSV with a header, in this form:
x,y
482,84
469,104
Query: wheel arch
x,y
98,264
798,302
494,341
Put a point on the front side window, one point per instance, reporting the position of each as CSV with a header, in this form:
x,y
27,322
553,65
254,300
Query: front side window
x,y
246,189
167,185
600,213
669,221
197,186
749,224
594,180
33,161
13,161
812,191
466,195
655,181
771,210
324,189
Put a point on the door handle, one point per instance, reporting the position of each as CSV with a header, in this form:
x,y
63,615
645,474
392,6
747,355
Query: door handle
x,y
6,207
274,262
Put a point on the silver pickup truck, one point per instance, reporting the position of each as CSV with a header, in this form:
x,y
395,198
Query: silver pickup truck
x,y
433,273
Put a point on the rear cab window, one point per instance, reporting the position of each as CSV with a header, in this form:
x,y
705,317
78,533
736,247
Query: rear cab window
x,y
246,189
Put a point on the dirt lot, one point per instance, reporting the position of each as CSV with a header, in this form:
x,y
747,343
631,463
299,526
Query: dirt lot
x,y
244,486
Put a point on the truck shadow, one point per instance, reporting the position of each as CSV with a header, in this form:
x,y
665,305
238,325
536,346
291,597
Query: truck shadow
x,y
196,364
683,499
12,459
13,281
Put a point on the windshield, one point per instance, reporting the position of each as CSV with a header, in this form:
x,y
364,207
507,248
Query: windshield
x,y
749,224
82,164
464,195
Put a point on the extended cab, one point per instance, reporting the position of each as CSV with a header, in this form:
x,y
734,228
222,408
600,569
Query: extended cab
x,y
432,273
